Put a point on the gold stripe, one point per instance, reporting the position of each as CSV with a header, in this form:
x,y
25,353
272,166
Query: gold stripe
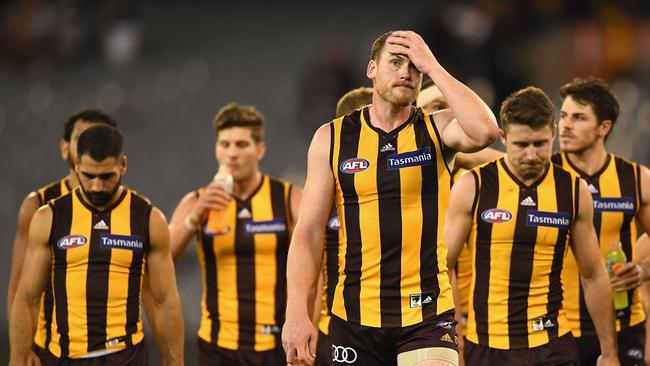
x,y
228,301
265,264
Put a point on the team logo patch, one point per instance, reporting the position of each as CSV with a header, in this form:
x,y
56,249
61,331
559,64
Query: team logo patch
x,y
265,227
541,324
71,241
412,158
128,242
548,219
270,329
334,223
623,204
496,216
354,165
423,299
445,324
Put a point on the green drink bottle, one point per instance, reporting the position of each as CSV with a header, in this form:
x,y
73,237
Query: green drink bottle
x,y
615,259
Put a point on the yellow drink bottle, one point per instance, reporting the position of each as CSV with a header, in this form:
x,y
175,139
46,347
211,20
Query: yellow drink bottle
x,y
614,260
217,222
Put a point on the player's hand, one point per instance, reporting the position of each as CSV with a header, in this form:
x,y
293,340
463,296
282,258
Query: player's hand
x,y
607,361
213,197
629,276
299,341
413,46
30,360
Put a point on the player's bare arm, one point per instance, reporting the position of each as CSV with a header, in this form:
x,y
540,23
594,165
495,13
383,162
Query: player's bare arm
x,y
633,273
38,258
162,284
598,293
468,125
305,251
26,212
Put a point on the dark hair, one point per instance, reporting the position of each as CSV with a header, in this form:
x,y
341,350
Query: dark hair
x,y
354,99
530,107
100,142
594,92
378,45
87,115
235,115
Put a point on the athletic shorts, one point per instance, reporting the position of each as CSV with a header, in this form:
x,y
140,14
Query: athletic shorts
x,y
212,355
559,352
354,344
631,343
137,355
323,350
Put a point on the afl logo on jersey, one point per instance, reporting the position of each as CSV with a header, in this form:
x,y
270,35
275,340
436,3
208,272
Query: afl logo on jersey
x,y
496,216
354,165
71,242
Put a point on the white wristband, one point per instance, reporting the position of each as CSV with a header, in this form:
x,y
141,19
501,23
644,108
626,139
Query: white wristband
x,y
188,223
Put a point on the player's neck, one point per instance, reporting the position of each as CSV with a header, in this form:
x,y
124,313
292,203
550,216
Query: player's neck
x,y
245,188
590,160
387,116
527,181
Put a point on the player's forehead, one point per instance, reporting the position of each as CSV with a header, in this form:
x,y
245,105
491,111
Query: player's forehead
x,y
233,134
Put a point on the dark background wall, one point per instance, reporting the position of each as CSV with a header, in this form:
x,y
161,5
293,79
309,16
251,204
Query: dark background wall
x,y
164,69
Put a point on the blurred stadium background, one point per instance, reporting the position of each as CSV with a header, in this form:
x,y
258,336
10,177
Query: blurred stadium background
x,y
164,68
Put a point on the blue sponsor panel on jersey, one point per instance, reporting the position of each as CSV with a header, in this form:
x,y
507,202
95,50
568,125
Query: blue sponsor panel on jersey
x,y
265,227
129,242
549,219
412,158
623,204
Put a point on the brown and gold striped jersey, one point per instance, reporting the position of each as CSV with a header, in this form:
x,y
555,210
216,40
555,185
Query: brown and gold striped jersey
x,y
518,241
46,193
98,260
244,271
53,190
391,194
615,189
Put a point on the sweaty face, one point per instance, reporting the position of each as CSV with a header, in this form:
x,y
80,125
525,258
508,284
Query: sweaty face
x,y
528,150
71,146
395,78
238,152
579,127
100,180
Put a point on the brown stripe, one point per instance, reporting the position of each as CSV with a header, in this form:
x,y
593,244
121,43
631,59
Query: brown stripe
x,y
564,202
280,207
99,262
245,254
521,272
206,245
140,213
61,225
488,196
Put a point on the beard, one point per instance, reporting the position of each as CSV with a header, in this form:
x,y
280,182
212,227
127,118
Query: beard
x,y
402,101
101,199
